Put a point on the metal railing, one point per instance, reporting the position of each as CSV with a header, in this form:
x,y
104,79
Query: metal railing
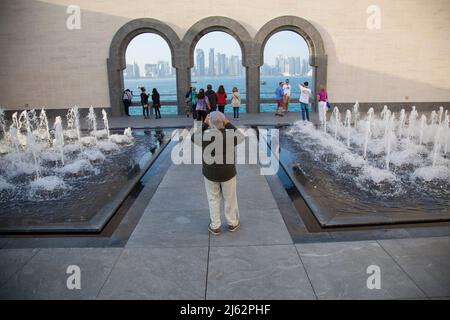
x,y
137,102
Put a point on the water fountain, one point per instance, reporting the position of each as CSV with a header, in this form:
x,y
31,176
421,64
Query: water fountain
x,y
348,124
2,122
368,131
43,125
59,138
383,163
106,123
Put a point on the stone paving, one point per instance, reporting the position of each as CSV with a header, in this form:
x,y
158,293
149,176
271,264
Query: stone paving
x,y
170,254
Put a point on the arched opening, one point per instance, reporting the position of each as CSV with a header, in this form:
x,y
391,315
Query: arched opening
x,y
116,63
232,28
218,62
313,39
286,61
149,65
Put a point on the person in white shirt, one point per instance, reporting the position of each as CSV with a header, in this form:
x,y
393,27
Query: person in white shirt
x,y
305,92
287,89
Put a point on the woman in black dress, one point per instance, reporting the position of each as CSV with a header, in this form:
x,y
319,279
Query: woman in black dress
x,y
156,103
144,102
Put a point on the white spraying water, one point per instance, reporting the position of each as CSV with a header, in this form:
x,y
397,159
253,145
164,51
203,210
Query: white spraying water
x,y
355,114
106,123
347,123
401,124
337,119
423,123
43,124
59,138
368,131
32,147
412,123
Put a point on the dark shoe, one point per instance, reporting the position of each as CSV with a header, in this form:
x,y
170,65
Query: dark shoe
x,y
234,228
215,232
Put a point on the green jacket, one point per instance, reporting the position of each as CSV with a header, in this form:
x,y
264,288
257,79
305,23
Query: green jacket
x,y
219,172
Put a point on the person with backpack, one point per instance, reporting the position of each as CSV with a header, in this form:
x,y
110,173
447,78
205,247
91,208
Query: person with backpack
x,y
144,103
193,99
236,103
156,103
203,106
211,94
221,99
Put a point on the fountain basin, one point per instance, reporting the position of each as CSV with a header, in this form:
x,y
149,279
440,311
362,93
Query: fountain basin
x,y
82,195
341,189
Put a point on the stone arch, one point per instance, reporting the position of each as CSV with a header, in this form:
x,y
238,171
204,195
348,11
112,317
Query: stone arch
x,y
317,55
116,62
227,25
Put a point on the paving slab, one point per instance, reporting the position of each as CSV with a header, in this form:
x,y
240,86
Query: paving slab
x,y
45,277
12,260
180,228
158,273
4,242
258,227
257,272
426,260
339,271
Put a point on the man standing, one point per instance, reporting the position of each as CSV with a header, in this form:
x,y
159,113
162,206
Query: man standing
x,y
304,99
287,89
279,97
219,170
211,94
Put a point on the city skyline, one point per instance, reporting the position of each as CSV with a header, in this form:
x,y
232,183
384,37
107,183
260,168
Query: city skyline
x,y
150,48
220,64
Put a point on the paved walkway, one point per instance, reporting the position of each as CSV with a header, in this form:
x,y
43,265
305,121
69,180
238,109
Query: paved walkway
x,y
266,118
171,256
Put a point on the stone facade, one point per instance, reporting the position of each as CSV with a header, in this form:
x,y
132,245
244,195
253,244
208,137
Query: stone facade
x,y
44,63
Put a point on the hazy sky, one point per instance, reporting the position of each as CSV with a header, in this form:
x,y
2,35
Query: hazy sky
x,y
150,48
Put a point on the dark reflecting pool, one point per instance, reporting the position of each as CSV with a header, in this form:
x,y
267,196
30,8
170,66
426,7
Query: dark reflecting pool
x,y
92,177
342,187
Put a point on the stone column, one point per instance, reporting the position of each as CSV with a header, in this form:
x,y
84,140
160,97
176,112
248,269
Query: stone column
x,y
183,84
319,64
115,80
252,88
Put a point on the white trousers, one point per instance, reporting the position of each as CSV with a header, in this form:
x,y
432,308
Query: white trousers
x,y
322,109
214,192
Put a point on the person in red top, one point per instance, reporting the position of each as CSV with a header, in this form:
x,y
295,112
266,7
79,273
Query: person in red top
x,y
221,99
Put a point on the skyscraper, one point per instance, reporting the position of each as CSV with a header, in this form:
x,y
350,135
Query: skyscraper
x,y
298,66
129,71
223,64
234,65
151,70
305,67
137,73
200,70
291,65
211,64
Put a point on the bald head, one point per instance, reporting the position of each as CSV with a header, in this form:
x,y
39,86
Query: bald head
x,y
216,119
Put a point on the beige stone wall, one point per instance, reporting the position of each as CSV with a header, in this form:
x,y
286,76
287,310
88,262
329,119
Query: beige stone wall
x,y
45,64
